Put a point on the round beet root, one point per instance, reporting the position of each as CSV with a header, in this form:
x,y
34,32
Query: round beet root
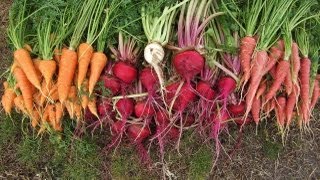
x,y
125,72
138,133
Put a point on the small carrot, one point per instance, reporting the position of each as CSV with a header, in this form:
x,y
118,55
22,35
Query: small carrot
x,y
280,111
67,68
262,89
304,77
7,100
24,60
26,88
59,115
247,46
47,69
93,107
35,118
77,111
98,62
288,83
52,115
255,110
19,104
69,107
57,55
315,94
290,105
84,101
296,65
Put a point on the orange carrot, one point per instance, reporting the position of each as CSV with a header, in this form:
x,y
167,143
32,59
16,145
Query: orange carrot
x,y
35,118
259,62
14,65
315,94
69,107
84,101
255,110
7,99
25,88
98,62
281,73
247,46
72,93
67,67
52,115
24,60
45,115
93,107
47,69
19,104
59,115
304,77
77,111
85,52
57,55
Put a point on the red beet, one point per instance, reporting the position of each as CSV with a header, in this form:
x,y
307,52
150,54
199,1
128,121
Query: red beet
x,y
125,107
173,133
149,79
162,118
138,133
143,109
237,109
185,96
240,122
104,108
226,86
125,72
205,90
117,127
112,84
188,64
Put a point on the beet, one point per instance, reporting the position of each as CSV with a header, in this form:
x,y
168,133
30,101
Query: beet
x,y
138,133
125,72
162,118
112,83
185,96
242,121
205,90
149,79
237,109
226,86
173,133
125,107
104,107
143,109
188,64
117,127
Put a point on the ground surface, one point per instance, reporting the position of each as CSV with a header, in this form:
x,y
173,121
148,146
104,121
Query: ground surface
x,y
261,155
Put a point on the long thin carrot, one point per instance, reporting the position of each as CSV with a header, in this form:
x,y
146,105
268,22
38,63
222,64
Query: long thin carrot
x,y
25,88
255,110
315,94
67,68
280,111
92,105
281,73
295,62
85,52
35,118
304,77
262,89
98,62
7,100
291,102
276,52
247,46
288,83
59,115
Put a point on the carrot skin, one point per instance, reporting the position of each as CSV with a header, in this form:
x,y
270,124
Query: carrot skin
x,y
262,89
67,68
85,52
47,69
7,100
98,62
274,56
291,102
280,111
296,65
304,77
255,110
288,83
24,60
247,46
315,94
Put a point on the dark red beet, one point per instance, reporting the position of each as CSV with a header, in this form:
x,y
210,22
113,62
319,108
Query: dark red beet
x,y
117,127
188,64
149,79
112,83
226,86
237,109
143,109
188,120
125,107
185,96
125,72
173,133
89,117
104,108
162,118
205,90
240,122
138,133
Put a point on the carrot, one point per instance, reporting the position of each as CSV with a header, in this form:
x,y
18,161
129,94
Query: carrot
x,y
37,98
72,93
315,94
85,52
45,115
288,83
57,55
93,107
26,88
77,111
273,71
98,62
318,77
35,118
281,73
280,111
84,101
291,104
67,67
262,89
69,107
45,92
295,62
7,99
19,104
276,52
259,62
247,46
52,115
255,110
59,115
24,60
304,77
14,65
47,69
